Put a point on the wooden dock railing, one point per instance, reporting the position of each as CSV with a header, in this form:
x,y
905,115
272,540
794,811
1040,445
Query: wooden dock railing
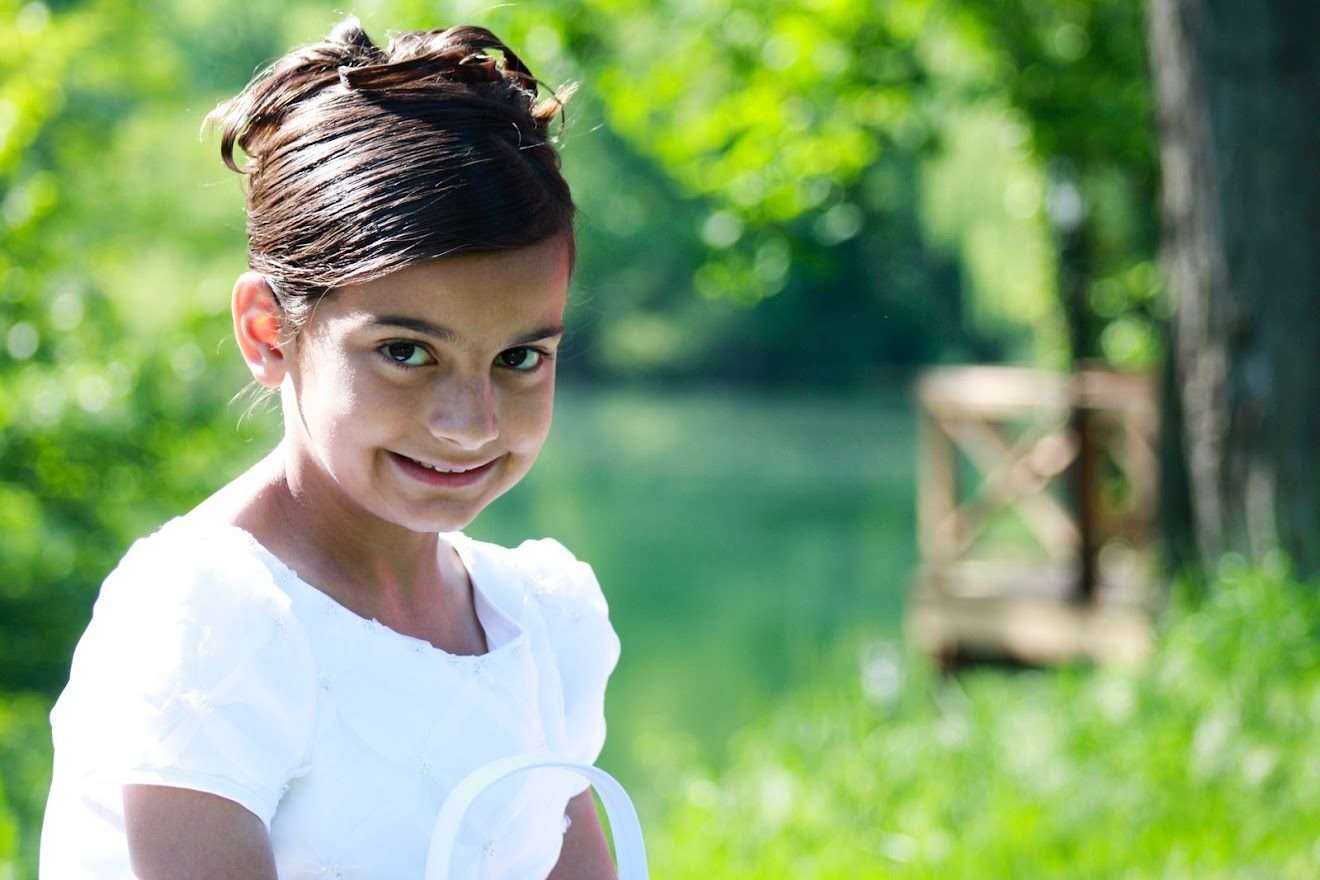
x,y
1036,511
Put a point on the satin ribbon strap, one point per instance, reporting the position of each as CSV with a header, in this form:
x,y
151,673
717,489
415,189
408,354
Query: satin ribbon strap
x,y
629,849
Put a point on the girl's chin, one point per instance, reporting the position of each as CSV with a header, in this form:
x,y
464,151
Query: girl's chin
x,y
432,522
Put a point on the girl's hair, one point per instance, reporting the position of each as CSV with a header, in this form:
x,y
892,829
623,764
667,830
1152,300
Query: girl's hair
x,y
362,160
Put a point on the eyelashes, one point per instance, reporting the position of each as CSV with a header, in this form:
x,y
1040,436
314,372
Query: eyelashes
x,y
523,359
406,354
412,355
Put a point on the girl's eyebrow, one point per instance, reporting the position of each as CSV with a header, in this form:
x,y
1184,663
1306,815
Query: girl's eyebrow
x,y
552,331
444,334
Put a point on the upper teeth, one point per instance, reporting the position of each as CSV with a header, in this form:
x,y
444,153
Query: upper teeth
x,y
431,467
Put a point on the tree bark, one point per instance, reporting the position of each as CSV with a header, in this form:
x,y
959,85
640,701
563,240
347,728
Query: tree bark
x,y
1238,92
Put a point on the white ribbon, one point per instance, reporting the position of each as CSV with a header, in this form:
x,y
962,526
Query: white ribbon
x,y
629,849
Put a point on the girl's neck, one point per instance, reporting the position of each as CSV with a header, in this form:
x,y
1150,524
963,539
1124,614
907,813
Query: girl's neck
x,y
412,582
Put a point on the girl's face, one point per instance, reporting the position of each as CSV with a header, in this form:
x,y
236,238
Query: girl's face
x,y
418,398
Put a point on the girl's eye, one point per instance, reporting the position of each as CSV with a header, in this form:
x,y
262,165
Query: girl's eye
x,y
408,354
524,359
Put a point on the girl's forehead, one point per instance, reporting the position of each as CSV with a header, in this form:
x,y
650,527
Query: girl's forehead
x,y
483,275
524,286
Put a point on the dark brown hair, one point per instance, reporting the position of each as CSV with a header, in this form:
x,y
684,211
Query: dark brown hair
x,y
362,160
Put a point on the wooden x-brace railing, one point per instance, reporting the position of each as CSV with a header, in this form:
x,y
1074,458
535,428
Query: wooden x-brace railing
x,y
1070,456
1037,441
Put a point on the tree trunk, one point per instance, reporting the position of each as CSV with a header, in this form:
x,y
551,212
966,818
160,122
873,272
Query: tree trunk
x,y
1238,92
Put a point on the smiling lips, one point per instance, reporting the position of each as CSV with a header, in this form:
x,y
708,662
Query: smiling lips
x,y
437,475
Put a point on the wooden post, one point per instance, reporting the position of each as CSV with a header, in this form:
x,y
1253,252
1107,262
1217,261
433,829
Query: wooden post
x,y
1087,485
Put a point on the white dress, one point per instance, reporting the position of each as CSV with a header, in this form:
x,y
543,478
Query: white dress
x,y
210,665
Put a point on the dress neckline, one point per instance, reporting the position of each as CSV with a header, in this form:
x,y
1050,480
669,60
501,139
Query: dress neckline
x,y
501,630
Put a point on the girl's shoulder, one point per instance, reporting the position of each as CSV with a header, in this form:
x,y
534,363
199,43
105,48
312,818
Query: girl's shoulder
x,y
543,571
193,672
195,570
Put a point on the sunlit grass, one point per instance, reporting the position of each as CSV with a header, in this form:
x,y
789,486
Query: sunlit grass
x,y
1201,766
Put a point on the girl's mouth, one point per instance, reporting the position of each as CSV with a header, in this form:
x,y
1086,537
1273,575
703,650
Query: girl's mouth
x,y
445,475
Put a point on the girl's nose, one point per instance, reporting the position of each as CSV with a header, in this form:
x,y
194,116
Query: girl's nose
x,y
464,412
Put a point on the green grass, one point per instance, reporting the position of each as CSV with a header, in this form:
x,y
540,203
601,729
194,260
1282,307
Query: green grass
x,y
1204,765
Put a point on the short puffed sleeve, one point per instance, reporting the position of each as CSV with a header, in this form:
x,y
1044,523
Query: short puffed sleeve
x,y
193,673
584,644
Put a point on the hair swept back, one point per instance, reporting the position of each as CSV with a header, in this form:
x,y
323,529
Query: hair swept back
x,y
362,160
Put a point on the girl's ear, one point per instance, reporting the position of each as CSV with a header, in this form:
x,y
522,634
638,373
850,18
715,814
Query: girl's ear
x,y
258,321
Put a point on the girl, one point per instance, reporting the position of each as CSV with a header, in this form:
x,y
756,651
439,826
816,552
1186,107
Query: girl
x,y
288,680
